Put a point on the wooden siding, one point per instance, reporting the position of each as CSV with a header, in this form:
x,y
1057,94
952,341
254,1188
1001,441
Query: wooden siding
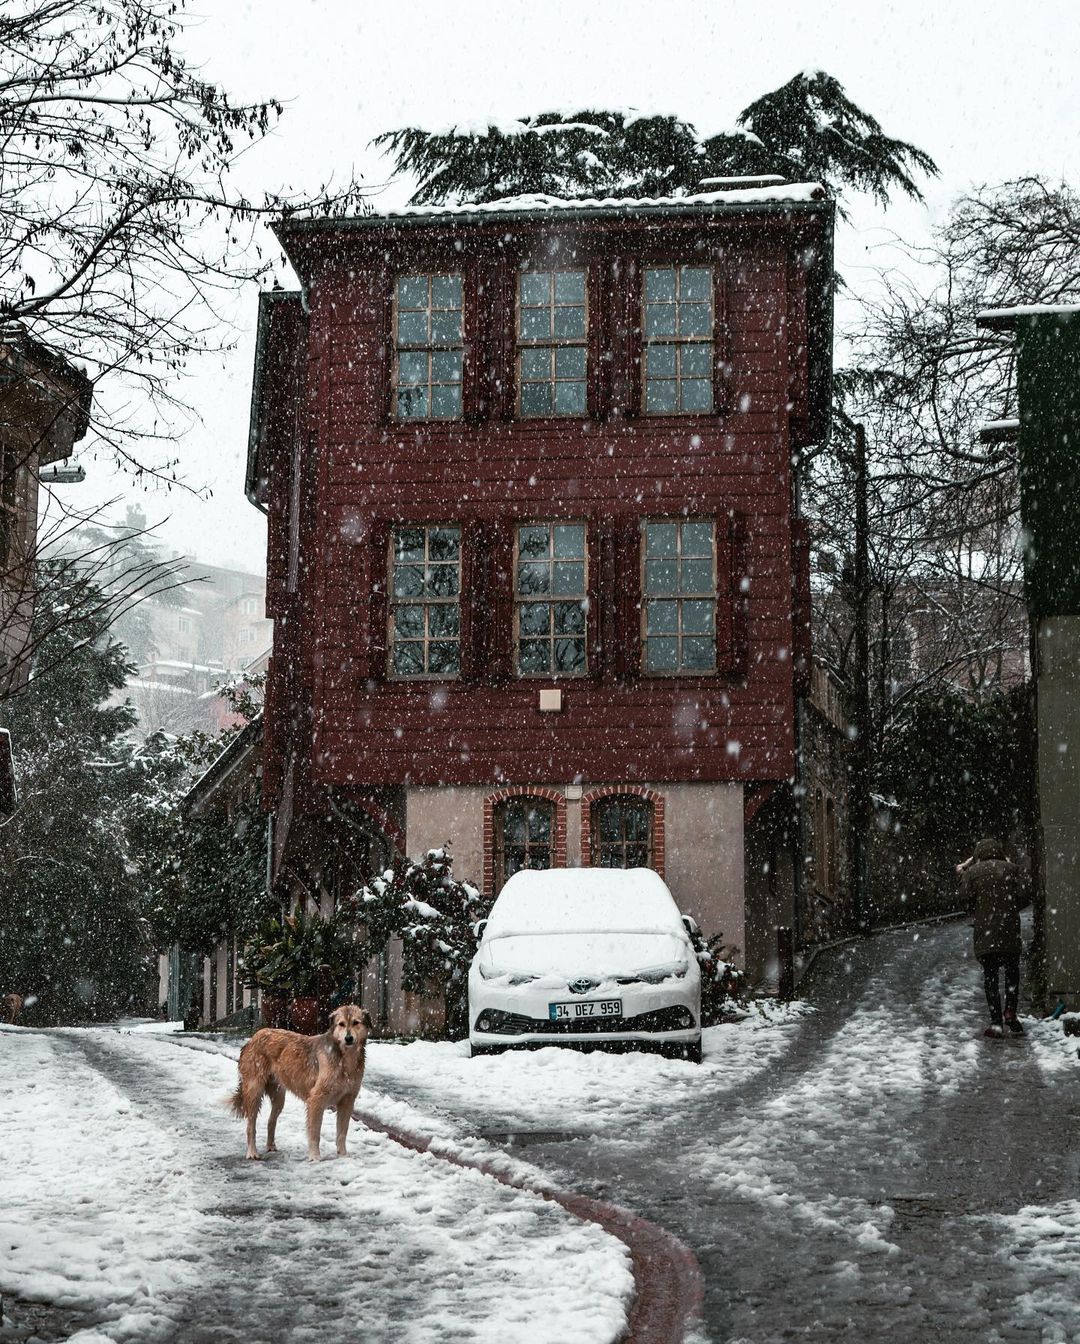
x,y
363,470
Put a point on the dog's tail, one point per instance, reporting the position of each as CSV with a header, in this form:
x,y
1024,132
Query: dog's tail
x,y
235,1102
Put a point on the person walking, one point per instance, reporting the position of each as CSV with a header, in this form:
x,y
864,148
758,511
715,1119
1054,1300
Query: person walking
x,y
993,890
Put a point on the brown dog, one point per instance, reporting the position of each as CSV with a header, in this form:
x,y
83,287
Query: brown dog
x,y
325,1071
13,1006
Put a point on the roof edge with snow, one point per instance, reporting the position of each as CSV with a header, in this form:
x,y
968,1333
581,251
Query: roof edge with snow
x,y
1006,319
798,196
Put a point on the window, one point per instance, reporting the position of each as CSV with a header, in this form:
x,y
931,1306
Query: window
x,y
249,606
621,832
425,612
246,635
551,343
8,512
679,610
183,625
678,340
428,347
825,844
550,599
524,837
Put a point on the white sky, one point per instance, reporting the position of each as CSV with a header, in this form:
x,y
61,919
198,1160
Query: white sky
x,y
986,87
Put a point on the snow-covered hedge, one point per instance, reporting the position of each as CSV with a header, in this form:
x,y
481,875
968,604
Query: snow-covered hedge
x,y
435,915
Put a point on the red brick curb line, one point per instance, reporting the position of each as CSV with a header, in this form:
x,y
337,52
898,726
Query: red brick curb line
x,y
667,1277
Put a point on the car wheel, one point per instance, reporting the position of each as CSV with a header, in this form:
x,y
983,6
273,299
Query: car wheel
x,y
693,1052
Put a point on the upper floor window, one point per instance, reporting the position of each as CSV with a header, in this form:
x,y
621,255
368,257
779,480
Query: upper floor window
x,y
249,606
524,837
550,599
428,347
679,607
621,832
678,327
551,343
425,612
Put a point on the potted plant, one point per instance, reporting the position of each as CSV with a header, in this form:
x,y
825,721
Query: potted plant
x,y
267,967
292,957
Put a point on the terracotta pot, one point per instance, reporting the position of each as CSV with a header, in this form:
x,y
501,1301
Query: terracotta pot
x,y
304,1016
273,1009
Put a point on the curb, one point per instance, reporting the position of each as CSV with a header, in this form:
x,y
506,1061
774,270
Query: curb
x,y
667,1278
818,948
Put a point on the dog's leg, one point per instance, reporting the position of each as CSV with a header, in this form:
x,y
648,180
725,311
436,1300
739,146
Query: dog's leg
x,y
277,1100
253,1095
344,1115
315,1110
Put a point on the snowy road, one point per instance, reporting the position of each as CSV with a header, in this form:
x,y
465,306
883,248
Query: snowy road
x,y
875,1171
128,1209
872,1170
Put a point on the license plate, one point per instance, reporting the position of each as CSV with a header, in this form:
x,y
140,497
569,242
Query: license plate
x,y
574,1012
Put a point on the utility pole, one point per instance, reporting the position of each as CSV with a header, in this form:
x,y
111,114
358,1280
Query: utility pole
x,y
859,760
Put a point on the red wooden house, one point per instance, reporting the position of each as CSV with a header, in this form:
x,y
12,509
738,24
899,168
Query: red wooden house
x,y
534,554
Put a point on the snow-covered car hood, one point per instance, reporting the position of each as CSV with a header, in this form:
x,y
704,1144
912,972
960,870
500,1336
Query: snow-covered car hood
x,y
599,955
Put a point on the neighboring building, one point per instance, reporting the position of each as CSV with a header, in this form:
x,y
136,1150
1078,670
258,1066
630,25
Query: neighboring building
x,y
215,982
534,566
215,630
824,741
44,411
1047,433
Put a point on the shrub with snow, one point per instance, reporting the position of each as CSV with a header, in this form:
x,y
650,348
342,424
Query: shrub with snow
x,y
435,915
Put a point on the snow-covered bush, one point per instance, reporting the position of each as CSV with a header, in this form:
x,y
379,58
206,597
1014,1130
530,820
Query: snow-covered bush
x,y
435,915
722,983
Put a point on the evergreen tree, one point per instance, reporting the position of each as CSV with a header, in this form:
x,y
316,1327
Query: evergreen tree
x,y
205,872
808,129
72,936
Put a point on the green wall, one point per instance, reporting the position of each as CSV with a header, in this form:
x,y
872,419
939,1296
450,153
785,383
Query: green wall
x,y
1048,349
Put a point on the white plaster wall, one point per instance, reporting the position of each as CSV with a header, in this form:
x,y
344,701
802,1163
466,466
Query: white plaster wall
x,y
455,813
703,827
703,832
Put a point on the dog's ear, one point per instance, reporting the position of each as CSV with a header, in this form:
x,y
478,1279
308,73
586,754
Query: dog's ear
x,y
365,1017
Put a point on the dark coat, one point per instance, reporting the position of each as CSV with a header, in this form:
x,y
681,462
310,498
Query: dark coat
x,y
993,889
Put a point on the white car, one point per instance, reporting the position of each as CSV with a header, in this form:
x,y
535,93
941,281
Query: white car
x,y
585,956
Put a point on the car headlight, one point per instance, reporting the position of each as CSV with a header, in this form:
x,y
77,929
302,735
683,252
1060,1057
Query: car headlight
x,y
511,977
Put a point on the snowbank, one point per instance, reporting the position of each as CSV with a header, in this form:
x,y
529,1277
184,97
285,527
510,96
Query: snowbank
x,y
595,1092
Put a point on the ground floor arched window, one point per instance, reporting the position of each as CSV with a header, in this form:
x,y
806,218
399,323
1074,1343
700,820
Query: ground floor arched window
x,y
621,832
524,836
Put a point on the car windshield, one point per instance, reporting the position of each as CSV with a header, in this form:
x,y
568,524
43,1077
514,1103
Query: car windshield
x,y
598,955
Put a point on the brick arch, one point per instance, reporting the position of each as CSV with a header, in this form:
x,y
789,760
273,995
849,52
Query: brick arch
x,y
624,791
492,801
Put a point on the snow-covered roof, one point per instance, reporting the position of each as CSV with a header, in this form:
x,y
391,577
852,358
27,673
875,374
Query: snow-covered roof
x,y
1007,317
246,740
749,199
571,900
158,687
754,180
999,431
176,664
783,193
